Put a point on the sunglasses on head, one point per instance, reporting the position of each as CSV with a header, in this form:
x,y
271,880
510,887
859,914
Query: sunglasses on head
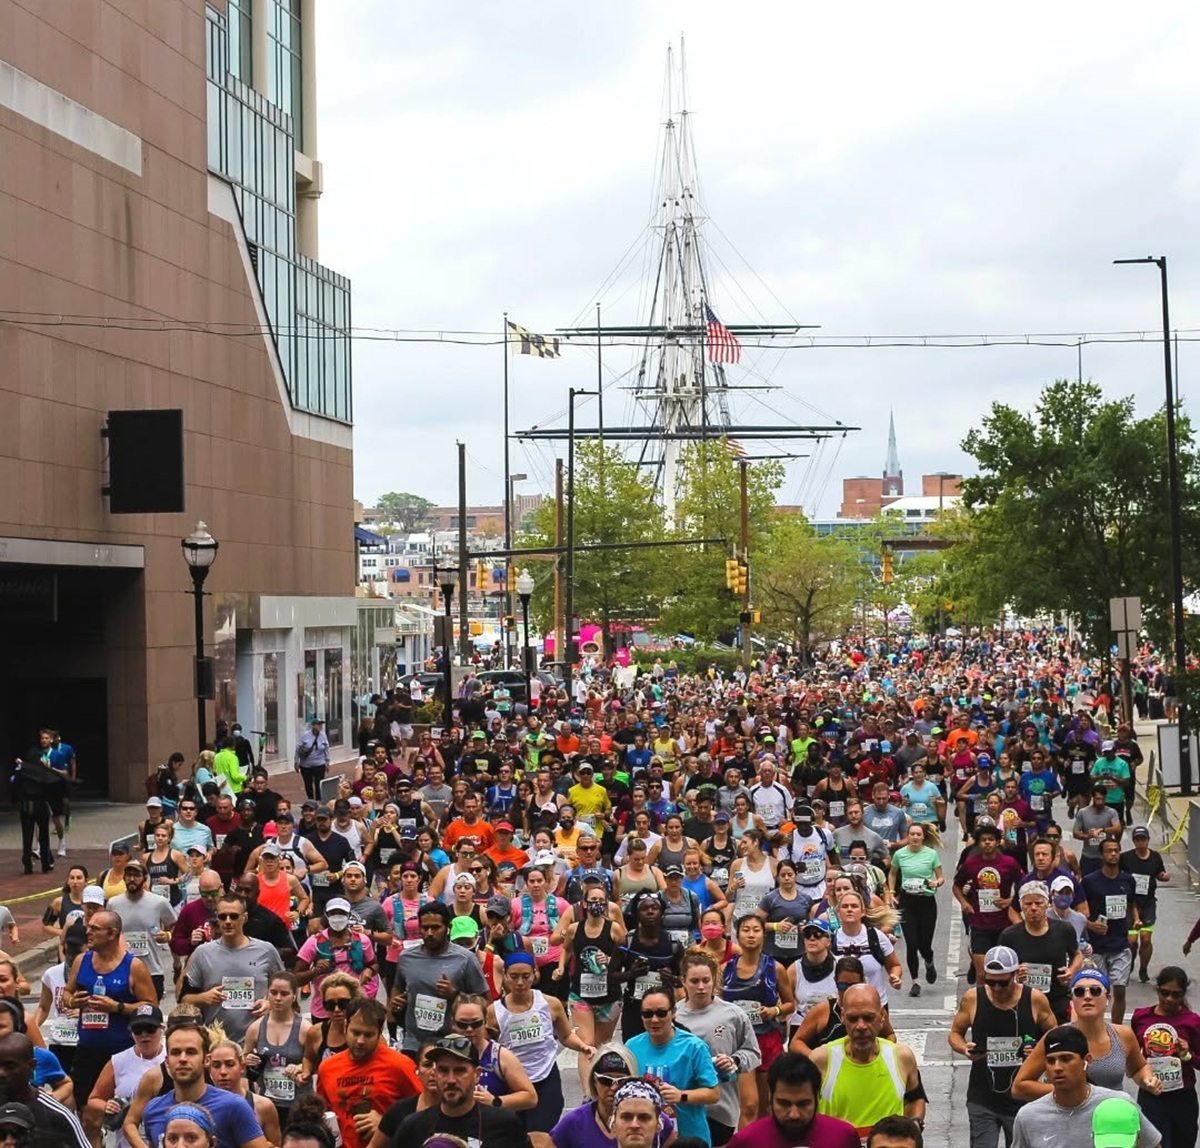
x,y
656,1013
1088,991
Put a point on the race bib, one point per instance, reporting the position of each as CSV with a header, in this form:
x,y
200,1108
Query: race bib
x,y
320,879
788,940
989,900
814,868
1077,767
220,840
386,855
679,936
1141,884
239,993
1168,1069
1038,977
752,1009
980,805
540,946
837,809
593,984
1037,802
139,943
1004,1052
93,1020
744,906
919,810
525,1030
277,1085
721,877
64,1031
1116,906
429,1012
914,885
644,985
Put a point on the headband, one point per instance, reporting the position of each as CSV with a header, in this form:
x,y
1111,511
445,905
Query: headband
x,y
195,1114
638,1090
18,1014
1091,974
519,958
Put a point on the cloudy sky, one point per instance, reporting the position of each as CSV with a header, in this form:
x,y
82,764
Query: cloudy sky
x,y
875,169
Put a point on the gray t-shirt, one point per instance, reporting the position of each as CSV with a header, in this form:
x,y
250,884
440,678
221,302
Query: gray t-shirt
x,y
1044,1124
242,972
140,920
427,1015
843,835
726,1029
369,914
437,798
1089,818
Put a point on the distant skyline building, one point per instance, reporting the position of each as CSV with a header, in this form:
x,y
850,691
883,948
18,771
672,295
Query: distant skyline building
x,y
893,476
866,497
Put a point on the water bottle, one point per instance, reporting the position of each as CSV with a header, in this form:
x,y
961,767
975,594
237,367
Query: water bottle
x,y
98,987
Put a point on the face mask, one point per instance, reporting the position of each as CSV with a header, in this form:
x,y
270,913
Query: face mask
x,y
596,908
1062,900
338,921
712,932
566,824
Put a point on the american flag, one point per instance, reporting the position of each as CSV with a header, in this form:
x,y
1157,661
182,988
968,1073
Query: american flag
x,y
723,346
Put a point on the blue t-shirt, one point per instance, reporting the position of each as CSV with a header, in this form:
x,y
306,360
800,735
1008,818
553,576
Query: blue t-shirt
x,y
1110,897
919,800
46,1068
685,1062
234,1116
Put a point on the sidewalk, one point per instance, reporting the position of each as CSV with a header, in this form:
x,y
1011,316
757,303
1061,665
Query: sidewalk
x,y
93,827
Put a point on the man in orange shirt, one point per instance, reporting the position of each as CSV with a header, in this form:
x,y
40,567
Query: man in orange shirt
x,y
469,827
567,741
962,729
362,1082
508,858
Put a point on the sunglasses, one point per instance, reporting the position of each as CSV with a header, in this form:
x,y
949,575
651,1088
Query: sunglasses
x,y
187,809
842,986
1088,991
228,916
470,1025
656,1013
1172,994
998,982
341,1004
476,869
215,895
608,1081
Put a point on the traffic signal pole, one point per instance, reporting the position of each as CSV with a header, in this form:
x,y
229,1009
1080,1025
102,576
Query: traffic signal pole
x,y
747,649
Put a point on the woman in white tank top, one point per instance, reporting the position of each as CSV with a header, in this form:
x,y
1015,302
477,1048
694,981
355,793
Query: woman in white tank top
x,y
751,876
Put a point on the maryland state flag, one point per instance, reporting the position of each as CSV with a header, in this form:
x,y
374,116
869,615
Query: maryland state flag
x,y
523,342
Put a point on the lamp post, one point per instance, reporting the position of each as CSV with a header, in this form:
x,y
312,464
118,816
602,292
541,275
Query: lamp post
x,y
508,541
200,552
941,476
1176,517
525,592
447,581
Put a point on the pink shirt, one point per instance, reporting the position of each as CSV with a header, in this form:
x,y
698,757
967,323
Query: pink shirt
x,y
537,939
341,964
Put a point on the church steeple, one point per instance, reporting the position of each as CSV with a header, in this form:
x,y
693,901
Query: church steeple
x,y
893,476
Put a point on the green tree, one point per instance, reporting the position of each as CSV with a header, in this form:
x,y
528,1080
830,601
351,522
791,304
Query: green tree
x,y
407,512
805,583
1069,507
615,501
708,505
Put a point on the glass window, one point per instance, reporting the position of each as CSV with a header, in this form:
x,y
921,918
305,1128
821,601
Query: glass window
x,y
271,703
307,709
334,710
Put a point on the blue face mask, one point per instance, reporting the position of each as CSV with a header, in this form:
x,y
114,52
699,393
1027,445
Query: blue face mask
x,y
1062,900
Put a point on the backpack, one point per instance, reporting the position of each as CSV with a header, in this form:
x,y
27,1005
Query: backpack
x,y
873,944
358,959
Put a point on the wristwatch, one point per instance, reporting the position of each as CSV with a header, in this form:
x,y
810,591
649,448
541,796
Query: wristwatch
x,y
497,1102
683,1098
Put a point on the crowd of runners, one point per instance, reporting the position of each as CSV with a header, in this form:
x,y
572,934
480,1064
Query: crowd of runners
x,y
713,890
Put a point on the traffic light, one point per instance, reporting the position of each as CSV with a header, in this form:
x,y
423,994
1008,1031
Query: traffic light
x,y
756,617
889,573
510,622
743,578
732,566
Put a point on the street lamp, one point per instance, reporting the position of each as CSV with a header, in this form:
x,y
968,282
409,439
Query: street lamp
x,y
525,592
447,580
941,476
508,541
200,552
1176,516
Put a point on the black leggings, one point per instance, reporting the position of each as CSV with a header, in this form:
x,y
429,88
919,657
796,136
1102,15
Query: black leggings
x,y
1174,1114
918,915
312,780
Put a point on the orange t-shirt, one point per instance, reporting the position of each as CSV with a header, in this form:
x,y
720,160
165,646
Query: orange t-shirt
x,y
481,833
379,1081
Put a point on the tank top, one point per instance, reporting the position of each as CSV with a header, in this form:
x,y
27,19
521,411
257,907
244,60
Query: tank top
x,y
659,956
835,803
276,1085
1003,1034
69,912
530,1035
681,919
722,856
863,1094
128,1070
589,980
646,883
112,888
156,871
810,992
1108,1071
292,850
668,856
323,1049
277,898
736,828
489,1071
759,883
754,993
699,887
834,1028
102,1030
59,1029
387,845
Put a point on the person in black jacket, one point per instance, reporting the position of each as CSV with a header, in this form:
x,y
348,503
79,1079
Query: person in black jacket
x,y
32,784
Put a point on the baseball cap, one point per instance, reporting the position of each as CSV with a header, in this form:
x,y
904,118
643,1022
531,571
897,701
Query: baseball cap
x,y
721,816
1001,959
408,833
337,905
1105,746
985,761
1034,889
818,924
610,1063
355,802
503,827
153,802
543,857
463,927
464,879
145,1016
1140,831
585,768
310,804
803,813
196,849
479,735
403,783
1066,1038
283,815
270,849
18,1114
1062,881
355,865
323,811
136,863
498,906
1116,1123
673,871
460,1047
94,895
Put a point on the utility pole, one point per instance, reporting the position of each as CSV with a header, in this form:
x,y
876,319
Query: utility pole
x,y
747,648
464,625
559,648
569,660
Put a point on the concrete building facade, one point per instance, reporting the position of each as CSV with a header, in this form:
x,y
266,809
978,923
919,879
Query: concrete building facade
x,y
158,246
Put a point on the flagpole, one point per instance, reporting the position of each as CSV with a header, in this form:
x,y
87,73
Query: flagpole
x,y
508,604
